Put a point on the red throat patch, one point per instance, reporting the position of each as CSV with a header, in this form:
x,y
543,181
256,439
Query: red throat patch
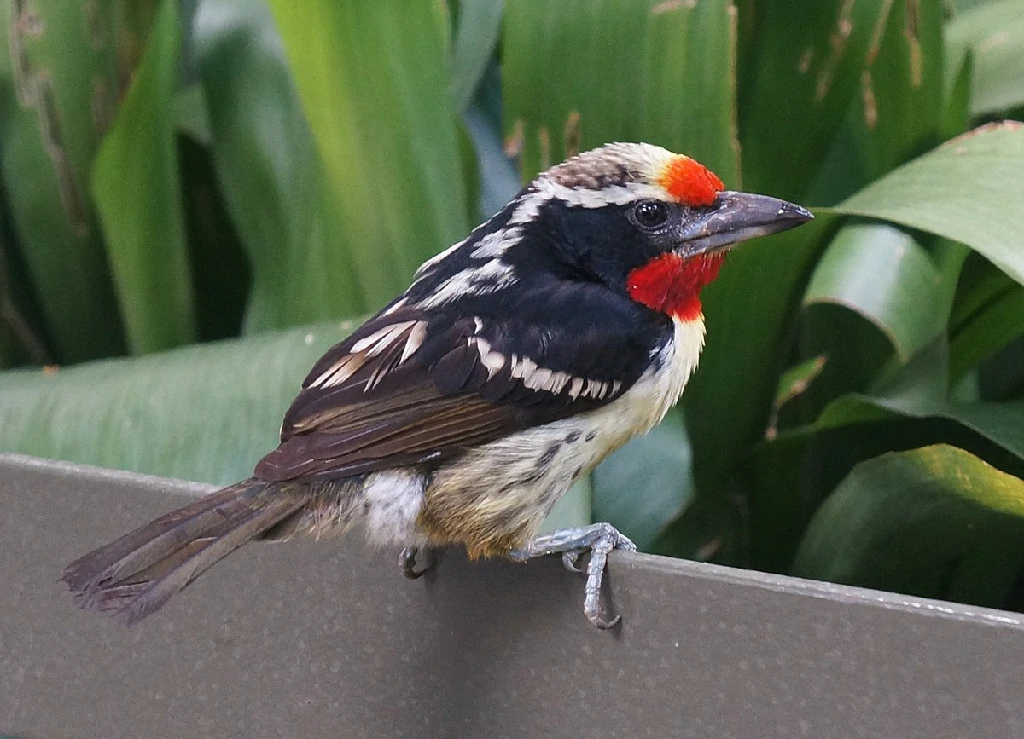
x,y
689,182
671,284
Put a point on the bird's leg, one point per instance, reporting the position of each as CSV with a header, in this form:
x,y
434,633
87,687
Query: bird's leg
x,y
597,538
407,561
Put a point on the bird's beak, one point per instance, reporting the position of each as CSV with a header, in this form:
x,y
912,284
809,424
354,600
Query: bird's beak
x,y
736,217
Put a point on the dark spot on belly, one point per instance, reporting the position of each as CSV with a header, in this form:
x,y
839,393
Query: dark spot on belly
x,y
549,454
576,472
573,437
591,436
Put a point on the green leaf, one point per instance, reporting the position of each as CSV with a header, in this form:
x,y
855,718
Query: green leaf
x,y
990,329
204,413
479,27
651,71
792,384
136,185
900,104
934,522
220,270
645,485
270,172
54,70
885,276
956,113
993,33
372,77
969,190
1000,423
798,83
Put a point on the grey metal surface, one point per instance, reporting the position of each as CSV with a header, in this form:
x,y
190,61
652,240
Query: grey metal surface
x,y
305,639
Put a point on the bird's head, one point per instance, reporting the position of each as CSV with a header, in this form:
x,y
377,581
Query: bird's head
x,y
636,218
645,221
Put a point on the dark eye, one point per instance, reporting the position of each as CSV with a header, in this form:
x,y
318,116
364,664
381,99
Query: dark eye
x,y
650,213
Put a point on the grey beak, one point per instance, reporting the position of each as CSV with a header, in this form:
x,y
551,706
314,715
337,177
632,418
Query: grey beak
x,y
736,217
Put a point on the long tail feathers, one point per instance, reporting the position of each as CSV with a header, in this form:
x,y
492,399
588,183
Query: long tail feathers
x,y
136,574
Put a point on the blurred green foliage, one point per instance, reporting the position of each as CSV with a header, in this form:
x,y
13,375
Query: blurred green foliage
x,y
180,172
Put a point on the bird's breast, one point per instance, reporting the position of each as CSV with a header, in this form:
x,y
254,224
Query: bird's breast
x,y
495,497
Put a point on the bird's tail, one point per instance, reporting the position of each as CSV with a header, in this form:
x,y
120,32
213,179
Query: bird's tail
x,y
136,574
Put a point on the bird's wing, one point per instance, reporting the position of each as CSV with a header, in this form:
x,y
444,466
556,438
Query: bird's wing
x,y
415,386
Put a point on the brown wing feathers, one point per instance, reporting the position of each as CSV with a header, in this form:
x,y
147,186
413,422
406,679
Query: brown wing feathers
x,y
388,406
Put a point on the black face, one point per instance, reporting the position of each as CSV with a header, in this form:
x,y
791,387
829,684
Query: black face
x,y
604,244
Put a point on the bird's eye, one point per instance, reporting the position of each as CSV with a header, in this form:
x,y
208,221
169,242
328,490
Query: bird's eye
x,y
650,213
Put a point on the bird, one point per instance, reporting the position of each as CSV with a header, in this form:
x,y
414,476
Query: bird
x,y
516,360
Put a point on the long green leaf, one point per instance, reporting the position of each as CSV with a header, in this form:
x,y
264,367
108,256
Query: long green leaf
x,y
270,171
373,81
479,26
897,110
204,413
797,85
970,190
935,522
885,276
652,71
138,194
56,67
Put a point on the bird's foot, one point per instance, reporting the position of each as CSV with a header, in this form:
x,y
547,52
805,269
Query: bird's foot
x,y
599,539
407,560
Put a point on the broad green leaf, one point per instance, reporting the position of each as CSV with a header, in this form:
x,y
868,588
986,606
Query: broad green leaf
x,y
885,276
372,77
205,413
479,25
56,68
136,184
645,485
935,522
270,172
969,190
652,71
797,86
994,35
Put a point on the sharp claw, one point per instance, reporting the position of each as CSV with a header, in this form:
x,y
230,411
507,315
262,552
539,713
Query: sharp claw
x,y
407,562
570,558
603,623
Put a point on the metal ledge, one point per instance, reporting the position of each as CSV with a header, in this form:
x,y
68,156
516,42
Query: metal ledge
x,y
326,638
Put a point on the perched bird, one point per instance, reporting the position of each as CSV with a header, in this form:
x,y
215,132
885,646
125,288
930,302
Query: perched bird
x,y
516,360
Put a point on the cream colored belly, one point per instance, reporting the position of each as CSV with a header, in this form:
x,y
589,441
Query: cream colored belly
x,y
496,497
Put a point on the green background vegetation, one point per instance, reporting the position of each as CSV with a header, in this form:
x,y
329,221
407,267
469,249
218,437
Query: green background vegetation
x,y
198,198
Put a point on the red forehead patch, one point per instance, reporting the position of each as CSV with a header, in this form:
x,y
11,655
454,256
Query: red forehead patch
x,y
690,182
